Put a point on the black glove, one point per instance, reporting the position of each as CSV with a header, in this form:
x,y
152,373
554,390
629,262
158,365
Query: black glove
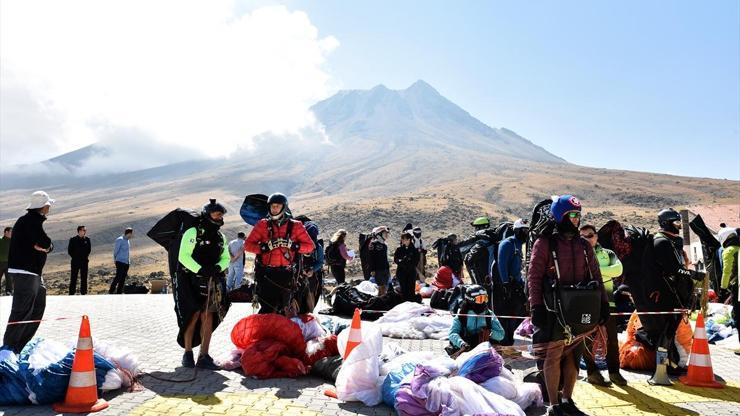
x,y
604,315
295,246
539,316
209,270
264,247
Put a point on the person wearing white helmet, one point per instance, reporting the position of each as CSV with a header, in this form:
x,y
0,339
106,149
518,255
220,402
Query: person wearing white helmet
x,y
730,241
379,266
26,259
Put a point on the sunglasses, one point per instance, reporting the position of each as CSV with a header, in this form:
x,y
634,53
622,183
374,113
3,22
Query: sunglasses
x,y
481,299
574,215
589,235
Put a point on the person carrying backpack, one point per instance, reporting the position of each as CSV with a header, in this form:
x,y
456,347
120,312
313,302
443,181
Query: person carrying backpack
x,y
277,240
406,257
337,256
201,284
452,256
611,268
669,285
378,258
730,241
422,248
474,323
563,258
508,285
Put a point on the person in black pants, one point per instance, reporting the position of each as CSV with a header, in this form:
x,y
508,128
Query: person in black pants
x,y
121,255
407,257
337,255
79,250
27,257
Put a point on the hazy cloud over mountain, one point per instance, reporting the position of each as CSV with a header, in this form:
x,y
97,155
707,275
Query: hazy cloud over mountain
x,y
157,82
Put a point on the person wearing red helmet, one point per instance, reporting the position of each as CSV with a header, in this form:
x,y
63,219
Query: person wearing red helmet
x,y
277,240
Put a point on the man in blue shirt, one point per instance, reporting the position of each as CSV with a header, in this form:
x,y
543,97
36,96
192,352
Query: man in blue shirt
x,y
121,255
508,286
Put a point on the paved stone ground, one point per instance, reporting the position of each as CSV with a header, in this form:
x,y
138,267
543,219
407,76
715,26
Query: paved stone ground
x,y
146,324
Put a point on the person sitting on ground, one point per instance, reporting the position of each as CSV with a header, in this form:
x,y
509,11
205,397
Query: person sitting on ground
x,y
337,256
475,323
611,268
731,243
200,286
445,279
407,258
379,266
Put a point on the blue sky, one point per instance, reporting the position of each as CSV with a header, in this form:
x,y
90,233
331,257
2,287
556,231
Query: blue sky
x,y
649,86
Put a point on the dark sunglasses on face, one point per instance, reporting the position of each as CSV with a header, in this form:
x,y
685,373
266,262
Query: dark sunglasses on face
x,y
589,235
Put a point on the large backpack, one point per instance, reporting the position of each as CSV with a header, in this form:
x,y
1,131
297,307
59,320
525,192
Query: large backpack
x,y
439,245
168,232
331,255
476,261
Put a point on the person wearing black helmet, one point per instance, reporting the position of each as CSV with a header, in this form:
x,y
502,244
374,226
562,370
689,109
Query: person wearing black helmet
x,y
669,284
278,241
475,323
200,284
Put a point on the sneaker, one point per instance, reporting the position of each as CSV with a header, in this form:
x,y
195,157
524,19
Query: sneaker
x,y
554,410
569,408
597,379
187,360
206,362
617,379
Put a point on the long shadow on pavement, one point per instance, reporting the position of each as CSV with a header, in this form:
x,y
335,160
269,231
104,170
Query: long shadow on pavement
x,y
180,383
644,402
286,388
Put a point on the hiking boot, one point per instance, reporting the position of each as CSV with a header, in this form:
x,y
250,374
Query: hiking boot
x,y
597,379
569,408
187,360
617,379
554,410
206,362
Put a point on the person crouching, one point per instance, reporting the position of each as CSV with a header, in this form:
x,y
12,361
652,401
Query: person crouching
x,y
475,323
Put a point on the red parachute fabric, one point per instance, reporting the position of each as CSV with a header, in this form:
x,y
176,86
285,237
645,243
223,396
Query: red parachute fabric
x,y
273,346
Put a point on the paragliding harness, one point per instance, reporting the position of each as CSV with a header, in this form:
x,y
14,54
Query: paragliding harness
x,y
577,308
262,274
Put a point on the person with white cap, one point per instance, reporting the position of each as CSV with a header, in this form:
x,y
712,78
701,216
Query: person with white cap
x,y
28,249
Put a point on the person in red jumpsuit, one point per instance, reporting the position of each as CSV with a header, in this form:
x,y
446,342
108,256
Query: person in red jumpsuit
x,y
278,241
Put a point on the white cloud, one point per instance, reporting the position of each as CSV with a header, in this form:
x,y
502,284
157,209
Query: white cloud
x,y
186,74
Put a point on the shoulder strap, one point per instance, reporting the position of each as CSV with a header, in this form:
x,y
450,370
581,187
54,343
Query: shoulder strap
x,y
289,230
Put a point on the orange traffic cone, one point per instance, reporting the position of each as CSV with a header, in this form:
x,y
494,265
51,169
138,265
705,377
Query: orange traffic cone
x,y
82,391
700,363
355,334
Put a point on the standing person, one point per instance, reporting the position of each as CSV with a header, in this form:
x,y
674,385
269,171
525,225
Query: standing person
x,y
731,244
421,266
378,256
26,259
79,250
277,241
4,249
236,262
122,257
668,285
452,256
508,285
611,268
337,255
576,263
406,257
201,285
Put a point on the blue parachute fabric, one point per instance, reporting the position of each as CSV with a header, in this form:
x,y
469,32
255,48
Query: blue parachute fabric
x,y
49,384
482,366
12,384
254,208
392,382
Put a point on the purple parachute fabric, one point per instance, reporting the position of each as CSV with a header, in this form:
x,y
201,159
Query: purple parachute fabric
x,y
482,366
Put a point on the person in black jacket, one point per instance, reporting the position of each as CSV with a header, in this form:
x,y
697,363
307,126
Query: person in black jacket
x,y
378,256
407,258
669,284
79,250
26,259
452,256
